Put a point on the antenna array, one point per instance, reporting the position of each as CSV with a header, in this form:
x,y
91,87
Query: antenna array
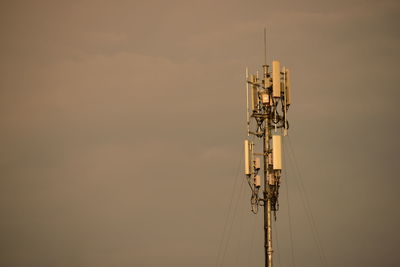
x,y
270,98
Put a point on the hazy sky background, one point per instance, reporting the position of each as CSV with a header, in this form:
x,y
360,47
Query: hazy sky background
x,y
122,126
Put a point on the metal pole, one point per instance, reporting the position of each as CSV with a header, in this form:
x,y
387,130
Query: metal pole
x,y
267,196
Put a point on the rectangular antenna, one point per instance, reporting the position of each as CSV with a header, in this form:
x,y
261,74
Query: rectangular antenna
x,y
247,155
254,93
276,79
276,152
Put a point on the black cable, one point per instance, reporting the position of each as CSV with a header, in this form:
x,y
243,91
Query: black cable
x,y
307,208
229,211
289,217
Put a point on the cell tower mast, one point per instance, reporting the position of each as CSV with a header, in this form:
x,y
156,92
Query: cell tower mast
x,y
270,98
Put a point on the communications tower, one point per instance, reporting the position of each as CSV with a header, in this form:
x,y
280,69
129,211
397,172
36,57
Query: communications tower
x,y
268,100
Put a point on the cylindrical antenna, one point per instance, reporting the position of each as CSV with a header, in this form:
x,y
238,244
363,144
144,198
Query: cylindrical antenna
x,y
247,102
265,45
285,130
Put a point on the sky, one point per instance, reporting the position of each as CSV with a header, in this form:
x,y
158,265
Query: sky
x,y
122,127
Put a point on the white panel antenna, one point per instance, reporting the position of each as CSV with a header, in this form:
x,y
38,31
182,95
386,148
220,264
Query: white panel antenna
x,y
247,157
276,79
277,152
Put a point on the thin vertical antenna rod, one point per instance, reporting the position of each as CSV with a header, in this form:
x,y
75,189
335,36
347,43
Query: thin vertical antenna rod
x,y
265,45
285,130
247,102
